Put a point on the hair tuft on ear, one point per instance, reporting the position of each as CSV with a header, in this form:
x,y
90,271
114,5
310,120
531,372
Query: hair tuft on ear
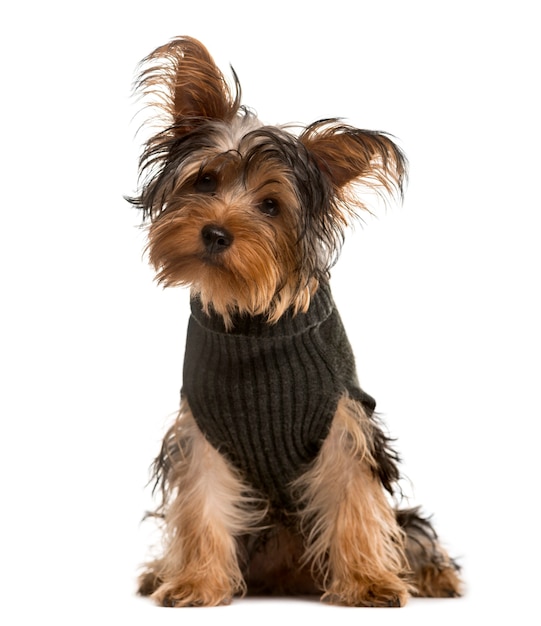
x,y
183,81
348,155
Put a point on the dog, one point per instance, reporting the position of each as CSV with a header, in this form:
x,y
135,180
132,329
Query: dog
x,y
277,477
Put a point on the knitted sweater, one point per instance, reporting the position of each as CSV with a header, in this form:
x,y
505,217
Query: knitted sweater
x,y
263,394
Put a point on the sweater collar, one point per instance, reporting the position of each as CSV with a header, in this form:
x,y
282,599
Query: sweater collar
x,y
321,307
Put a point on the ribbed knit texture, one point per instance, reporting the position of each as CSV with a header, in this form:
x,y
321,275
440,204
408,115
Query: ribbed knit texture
x,y
265,394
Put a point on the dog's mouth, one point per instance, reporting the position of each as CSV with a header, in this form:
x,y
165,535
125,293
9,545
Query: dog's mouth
x,y
212,260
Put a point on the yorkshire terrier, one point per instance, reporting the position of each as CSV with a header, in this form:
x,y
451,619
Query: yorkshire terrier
x,y
277,476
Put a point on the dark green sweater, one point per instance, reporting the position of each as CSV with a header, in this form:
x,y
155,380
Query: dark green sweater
x,y
264,395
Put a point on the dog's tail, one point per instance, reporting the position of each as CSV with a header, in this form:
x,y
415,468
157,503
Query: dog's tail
x,y
434,572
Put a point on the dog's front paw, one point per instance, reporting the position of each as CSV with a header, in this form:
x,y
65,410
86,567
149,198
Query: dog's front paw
x,y
390,593
189,588
192,593
193,598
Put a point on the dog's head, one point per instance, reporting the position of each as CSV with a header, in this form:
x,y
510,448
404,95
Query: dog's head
x,y
250,216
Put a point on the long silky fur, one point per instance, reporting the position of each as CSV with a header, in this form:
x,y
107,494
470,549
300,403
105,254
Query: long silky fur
x,y
204,507
353,540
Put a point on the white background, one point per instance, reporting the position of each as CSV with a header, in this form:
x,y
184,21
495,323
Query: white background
x,y
440,296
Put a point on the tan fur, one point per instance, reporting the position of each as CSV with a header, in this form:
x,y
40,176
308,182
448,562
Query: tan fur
x,y
206,509
353,537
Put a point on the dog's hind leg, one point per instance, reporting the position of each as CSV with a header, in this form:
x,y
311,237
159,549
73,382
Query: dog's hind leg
x,y
434,573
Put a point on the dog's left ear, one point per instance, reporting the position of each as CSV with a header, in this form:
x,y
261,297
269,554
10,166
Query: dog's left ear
x,y
182,79
346,155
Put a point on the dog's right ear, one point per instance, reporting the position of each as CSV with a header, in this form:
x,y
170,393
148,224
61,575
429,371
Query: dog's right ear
x,y
348,155
182,79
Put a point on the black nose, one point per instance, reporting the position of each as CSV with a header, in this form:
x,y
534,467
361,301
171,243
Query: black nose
x,y
216,239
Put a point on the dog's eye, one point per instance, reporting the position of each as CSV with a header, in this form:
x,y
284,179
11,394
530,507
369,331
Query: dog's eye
x,y
206,183
270,207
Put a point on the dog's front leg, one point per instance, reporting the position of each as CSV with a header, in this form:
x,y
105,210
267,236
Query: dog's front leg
x,y
205,507
353,538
